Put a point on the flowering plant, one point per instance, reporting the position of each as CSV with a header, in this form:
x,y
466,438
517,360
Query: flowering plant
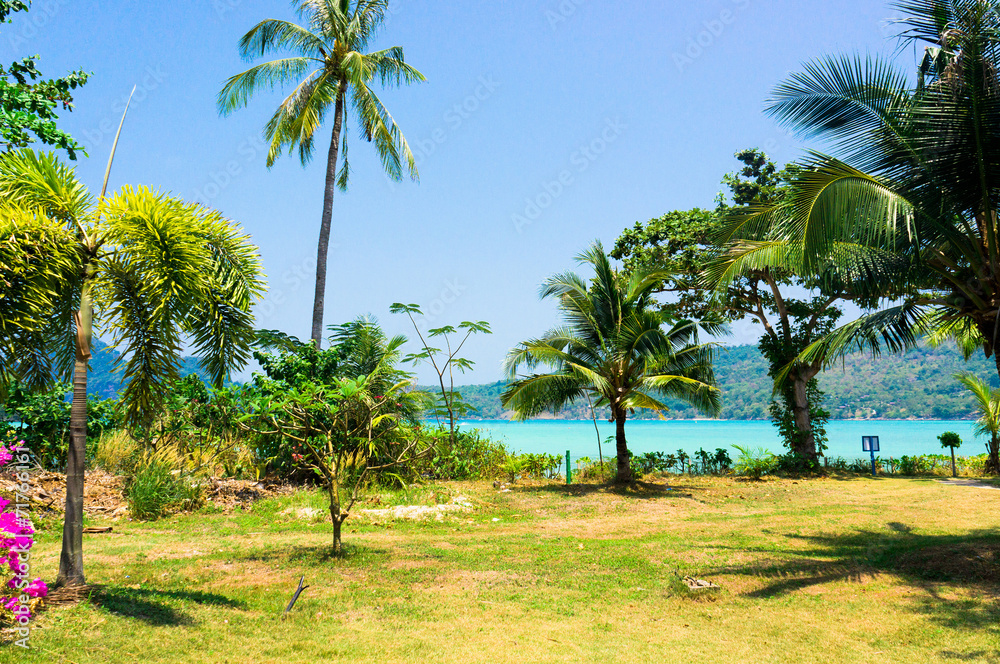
x,y
16,540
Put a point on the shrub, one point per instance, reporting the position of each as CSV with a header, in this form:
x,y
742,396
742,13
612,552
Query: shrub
x,y
755,463
159,485
472,456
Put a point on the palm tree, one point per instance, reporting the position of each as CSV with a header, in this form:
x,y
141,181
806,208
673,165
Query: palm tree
x,y
330,67
910,208
988,424
613,345
147,268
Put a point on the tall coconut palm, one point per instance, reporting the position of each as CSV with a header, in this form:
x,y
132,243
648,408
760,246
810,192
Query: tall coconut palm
x,y
988,405
150,270
329,68
911,204
613,346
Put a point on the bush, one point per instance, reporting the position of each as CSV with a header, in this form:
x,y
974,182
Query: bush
x,y
473,456
755,463
159,485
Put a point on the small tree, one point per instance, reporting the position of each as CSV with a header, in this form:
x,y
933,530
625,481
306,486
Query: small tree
x,y
346,433
951,440
346,411
451,406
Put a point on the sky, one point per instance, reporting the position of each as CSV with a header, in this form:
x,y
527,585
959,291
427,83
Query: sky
x,y
543,125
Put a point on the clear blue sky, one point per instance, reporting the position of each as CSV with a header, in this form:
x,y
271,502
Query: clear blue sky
x,y
638,107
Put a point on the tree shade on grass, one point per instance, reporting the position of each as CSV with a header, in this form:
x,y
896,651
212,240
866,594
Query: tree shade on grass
x,y
613,346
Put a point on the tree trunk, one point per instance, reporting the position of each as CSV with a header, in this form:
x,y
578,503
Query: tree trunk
x,y
993,462
336,518
71,558
323,249
338,547
954,471
804,442
624,475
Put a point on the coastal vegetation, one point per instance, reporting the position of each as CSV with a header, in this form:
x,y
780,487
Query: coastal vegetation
x,y
612,348
203,499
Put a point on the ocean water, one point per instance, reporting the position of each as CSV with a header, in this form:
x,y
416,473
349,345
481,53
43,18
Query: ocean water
x,y
896,438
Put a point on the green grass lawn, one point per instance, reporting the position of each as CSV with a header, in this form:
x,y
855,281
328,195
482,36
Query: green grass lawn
x,y
832,570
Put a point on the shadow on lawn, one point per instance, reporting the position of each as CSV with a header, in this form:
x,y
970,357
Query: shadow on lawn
x,y
928,562
640,490
155,607
318,555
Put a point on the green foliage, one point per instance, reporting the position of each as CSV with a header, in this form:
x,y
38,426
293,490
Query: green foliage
x,y
907,206
470,455
156,487
755,463
44,419
450,404
950,439
328,65
29,102
613,346
154,268
687,247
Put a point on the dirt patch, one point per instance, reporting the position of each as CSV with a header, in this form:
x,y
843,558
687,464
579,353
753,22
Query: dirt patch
x,y
232,494
102,492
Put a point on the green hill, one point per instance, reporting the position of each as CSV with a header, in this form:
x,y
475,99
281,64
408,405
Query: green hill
x,y
914,385
106,383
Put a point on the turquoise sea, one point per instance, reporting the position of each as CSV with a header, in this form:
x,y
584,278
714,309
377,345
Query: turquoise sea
x,y
578,436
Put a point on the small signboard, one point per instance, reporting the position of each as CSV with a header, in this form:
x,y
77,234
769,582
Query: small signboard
x,y
869,443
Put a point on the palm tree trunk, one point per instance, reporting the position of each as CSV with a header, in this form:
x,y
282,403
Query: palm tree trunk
x,y
993,462
624,475
323,250
71,557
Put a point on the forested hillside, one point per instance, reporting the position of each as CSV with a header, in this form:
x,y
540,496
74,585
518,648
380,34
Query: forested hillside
x,y
918,384
105,383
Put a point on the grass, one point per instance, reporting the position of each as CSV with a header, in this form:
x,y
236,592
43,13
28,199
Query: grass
x,y
833,570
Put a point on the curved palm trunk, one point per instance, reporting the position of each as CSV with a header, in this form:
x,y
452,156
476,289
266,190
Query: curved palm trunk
x,y
71,557
624,474
323,250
